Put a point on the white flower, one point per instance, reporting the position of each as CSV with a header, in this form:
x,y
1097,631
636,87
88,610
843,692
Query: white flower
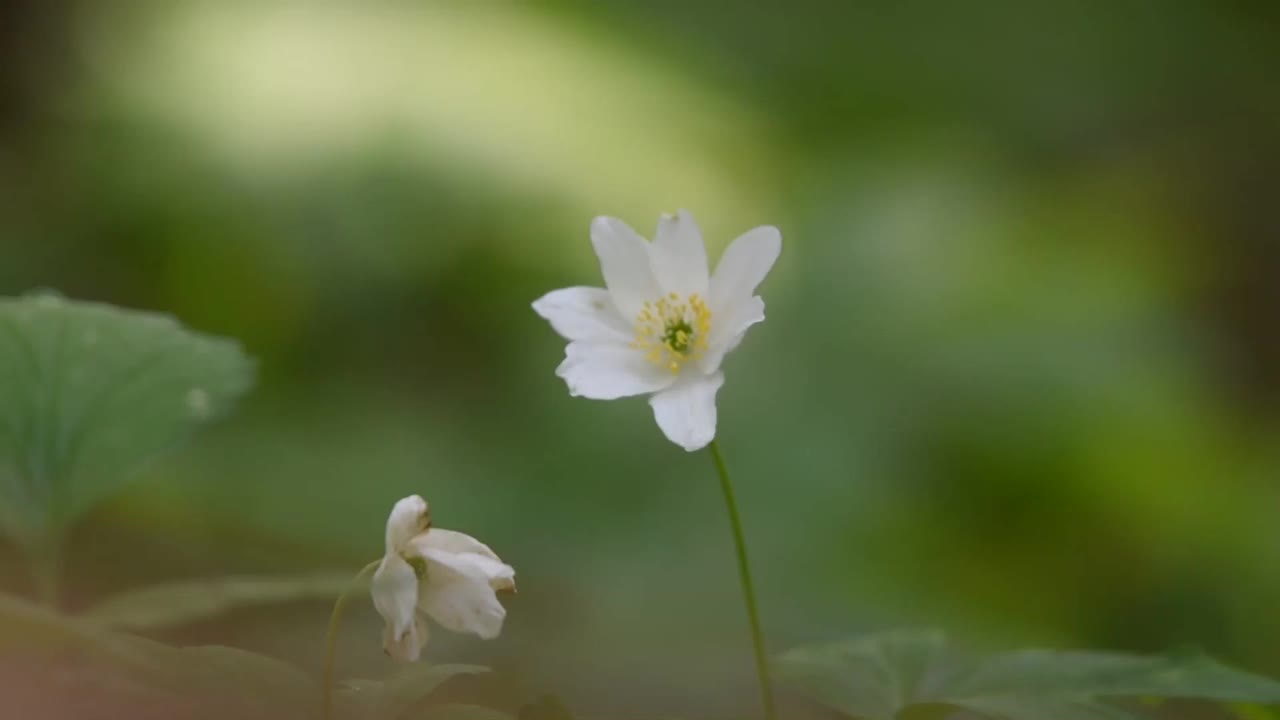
x,y
446,575
664,324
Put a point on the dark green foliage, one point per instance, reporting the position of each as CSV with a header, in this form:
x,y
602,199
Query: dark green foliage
x,y
880,677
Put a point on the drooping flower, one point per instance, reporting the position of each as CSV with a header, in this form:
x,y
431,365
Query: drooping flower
x,y
429,572
664,323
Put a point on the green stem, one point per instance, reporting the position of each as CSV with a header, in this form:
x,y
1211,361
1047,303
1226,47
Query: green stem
x,y
748,590
331,638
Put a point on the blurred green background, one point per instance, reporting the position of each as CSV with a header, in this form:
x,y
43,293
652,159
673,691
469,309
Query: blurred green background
x,y
1020,377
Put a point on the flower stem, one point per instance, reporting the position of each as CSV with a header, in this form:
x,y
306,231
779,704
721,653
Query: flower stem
x,y
331,639
748,590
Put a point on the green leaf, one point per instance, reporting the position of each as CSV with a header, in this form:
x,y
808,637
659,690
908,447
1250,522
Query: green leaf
x,y
169,604
1245,711
30,630
871,677
1114,675
238,683
88,392
547,707
412,686
465,712
68,661
1020,706
882,676
355,698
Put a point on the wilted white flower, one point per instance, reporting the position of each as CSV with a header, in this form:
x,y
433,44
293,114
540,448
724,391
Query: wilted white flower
x,y
665,323
429,572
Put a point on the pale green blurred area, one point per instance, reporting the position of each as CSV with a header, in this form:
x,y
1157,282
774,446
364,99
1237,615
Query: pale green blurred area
x,y
1019,377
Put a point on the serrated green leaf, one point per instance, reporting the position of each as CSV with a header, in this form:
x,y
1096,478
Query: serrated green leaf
x,y
413,685
176,603
871,677
883,676
88,392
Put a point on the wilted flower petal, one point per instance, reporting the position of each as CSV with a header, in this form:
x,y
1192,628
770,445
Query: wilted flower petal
x,y
465,575
442,574
395,595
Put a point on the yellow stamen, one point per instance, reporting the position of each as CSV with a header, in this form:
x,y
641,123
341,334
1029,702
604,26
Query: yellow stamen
x,y
671,331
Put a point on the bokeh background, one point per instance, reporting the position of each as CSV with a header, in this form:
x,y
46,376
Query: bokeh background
x,y
1020,377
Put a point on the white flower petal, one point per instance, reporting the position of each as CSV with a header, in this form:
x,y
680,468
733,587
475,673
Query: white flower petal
x,y
583,313
743,266
686,412
678,256
608,371
624,261
471,551
458,594
409,517
395,595
406,647
729,331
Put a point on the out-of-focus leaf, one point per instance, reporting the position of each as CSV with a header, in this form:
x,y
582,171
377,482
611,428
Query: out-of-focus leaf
x,y
464,712
26,629
176,603
65,660
356,698
412,685
546,707
237,683
88,392
51,666
871,677
1052,672
880,677
1245,711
